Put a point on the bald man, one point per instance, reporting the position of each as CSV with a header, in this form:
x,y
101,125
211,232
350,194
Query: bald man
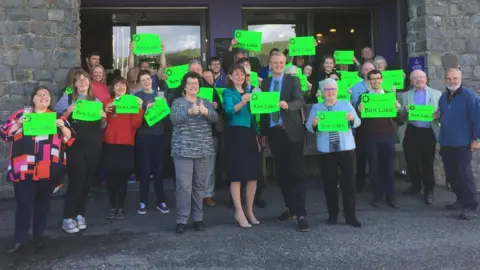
x,y
419,138
459,113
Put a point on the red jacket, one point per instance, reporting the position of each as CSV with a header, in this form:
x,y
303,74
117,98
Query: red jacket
x,y
121,128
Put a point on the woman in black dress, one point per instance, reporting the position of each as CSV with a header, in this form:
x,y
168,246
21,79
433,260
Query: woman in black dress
x,y
242,146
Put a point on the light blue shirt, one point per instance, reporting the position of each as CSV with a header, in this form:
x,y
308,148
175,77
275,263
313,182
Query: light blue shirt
x,y
347,141
357,90
280,79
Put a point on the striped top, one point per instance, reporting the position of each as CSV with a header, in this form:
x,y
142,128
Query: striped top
x,y
192,134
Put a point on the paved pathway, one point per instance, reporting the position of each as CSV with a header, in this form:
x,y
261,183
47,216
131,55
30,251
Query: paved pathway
x,y
415,236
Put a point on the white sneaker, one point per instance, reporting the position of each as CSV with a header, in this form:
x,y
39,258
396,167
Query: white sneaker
x,y
70,226
81,224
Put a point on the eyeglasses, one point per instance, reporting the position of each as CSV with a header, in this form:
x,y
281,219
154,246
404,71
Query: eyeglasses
x,y
193,84
42,95
329,89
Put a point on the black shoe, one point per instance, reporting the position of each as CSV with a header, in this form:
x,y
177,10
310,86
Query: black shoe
x,y
113,214
286,216
332,220
353,222
412,191
17,248
120,214
428,197
454,206
468,214
392,202
376,202
260,203
39,242
180,229
302,224
199,226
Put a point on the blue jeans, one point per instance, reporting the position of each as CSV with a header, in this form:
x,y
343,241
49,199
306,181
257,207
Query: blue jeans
x,y
31,197
149,155
381,152
458,173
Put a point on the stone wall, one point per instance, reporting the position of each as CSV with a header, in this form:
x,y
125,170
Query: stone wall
x,y
447,33
39,43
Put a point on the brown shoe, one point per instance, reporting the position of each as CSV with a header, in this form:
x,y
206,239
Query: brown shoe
x,y
209,202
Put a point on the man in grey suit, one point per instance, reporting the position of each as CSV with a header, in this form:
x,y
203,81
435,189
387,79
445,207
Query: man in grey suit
x,y
286,133
419,138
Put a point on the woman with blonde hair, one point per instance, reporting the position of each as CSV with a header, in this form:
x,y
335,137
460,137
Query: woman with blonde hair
x,y
98,83
83,154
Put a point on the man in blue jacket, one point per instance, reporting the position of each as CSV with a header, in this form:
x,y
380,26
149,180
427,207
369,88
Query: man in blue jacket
x,y
459,112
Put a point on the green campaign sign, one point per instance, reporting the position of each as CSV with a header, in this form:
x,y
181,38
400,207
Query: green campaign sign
x,y
422,113
249,40
254,79
379,105
303,82
332,121
265,102
146,44
393,78
342,94
36,124
300,46
344,57
86,110
126,104
220,93
175,75
68,90
206,93
157,112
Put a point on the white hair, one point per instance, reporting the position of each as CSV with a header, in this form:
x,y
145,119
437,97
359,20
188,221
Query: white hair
x,y
330,82
416,73
292,70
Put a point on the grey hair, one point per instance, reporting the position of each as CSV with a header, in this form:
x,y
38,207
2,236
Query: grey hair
x,y
329,81
194,61
417,71
380,59
292,70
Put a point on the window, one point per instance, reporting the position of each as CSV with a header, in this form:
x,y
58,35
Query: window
x,y
182,42
121,39
274,36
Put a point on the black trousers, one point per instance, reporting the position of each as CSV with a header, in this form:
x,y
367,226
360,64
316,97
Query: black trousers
x,y
33,198
339,168
457,162
117,188
362,159
82,162
289,166
419,147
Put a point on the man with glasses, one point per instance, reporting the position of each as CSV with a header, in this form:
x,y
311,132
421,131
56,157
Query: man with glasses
x,y
219,76
419,138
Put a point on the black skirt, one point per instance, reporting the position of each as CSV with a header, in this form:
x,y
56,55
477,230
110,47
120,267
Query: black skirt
x,y
242,155
118,158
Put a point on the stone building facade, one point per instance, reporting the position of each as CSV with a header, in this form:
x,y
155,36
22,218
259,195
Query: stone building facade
x,y
40,42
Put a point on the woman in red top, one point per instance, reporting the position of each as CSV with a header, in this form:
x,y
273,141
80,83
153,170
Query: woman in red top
x,y
99,87
118,150
34,165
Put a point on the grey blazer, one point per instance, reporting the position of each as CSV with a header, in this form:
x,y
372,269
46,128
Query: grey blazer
x,y
292,118
406,98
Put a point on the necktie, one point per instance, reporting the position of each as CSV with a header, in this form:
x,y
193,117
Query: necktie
x,y
275,115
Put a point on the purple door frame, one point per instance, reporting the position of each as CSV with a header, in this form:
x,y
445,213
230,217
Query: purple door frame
x,y
226,15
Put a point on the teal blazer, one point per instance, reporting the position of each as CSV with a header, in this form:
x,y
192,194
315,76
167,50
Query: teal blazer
x,y
243,117
432,97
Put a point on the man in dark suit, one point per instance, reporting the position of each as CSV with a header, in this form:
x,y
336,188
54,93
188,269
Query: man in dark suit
x,y
286,133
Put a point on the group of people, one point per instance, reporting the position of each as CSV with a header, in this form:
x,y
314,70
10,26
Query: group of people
x,y
123,144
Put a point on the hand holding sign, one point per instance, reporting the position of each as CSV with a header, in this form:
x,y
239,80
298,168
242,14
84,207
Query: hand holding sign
x,y
246,98
350,117
283,105
146,44
315,121
59,123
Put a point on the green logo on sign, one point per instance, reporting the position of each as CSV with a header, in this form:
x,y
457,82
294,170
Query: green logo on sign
x,y
337,53
238,35
292,41
136,38
169,72
28,118
254,97
365,99
321,116
79,103
412,107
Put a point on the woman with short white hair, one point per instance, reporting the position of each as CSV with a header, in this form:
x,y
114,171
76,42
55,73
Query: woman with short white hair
x,y
337,151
